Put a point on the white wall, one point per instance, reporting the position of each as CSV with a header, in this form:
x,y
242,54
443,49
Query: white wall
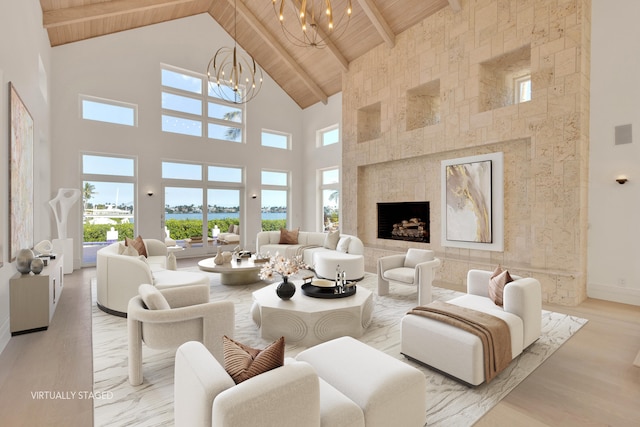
x,y
317,117
126,67
23,45
614,228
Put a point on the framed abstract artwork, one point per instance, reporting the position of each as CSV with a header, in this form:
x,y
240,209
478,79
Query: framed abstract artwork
x,y
21,174
473,202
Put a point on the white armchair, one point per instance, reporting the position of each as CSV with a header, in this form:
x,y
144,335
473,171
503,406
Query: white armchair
x,y
366,387
170,317
415,268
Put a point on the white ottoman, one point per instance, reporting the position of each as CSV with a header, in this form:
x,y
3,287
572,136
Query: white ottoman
x,y
325,264
389,391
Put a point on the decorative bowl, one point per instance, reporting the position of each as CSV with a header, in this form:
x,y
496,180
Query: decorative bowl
x,y
323,283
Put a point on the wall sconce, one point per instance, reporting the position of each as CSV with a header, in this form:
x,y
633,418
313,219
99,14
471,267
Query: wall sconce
x,y
149,193
621,179
254,196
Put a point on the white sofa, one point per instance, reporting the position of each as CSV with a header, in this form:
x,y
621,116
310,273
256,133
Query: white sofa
x,y
119,276
339,383
459,353
311,246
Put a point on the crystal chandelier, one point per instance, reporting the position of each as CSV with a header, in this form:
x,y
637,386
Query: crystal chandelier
x,y
314,21
233,75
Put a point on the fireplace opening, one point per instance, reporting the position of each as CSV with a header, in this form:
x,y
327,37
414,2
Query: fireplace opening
x,y
404,221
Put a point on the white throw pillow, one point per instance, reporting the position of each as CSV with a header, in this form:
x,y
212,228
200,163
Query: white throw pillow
x,y
331,240
343,244
127,250
153,298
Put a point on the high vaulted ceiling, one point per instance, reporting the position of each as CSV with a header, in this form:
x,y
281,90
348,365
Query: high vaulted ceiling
x,y
308,75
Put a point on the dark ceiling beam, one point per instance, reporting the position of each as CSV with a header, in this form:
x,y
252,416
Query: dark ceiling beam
x,y
378,21
91,12
270,40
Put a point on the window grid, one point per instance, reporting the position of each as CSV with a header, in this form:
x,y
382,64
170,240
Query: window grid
x,y
276,139
328,136
329,196
108,111
181,100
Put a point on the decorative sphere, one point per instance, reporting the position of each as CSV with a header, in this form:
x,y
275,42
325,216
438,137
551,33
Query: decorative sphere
x,y
286,289
37,265
23,260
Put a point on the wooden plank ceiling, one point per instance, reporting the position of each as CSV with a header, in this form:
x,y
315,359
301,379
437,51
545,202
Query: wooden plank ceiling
x,y
308,75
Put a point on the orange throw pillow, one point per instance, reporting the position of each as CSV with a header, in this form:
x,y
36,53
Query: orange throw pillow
x,y
288,237
243,362
498,281
137,244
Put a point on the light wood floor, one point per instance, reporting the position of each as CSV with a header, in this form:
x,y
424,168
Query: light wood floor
x,y
589,381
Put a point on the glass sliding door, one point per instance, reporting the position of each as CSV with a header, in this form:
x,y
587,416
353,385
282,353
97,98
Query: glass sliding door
x,y
223,211
184,215
108,203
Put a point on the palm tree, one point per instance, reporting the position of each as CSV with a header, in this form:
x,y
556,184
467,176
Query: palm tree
x,y
232,133
88,192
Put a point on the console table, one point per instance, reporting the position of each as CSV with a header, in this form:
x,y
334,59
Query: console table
x,y
34,298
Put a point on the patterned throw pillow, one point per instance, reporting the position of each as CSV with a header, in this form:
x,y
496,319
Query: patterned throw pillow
x,y
288,237
138,244
498,281
243,362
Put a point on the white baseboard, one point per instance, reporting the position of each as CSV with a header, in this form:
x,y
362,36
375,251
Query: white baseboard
x,y
614,293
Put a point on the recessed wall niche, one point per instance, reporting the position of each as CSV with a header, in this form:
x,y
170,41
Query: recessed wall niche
x,y
501,78
369,119
423,105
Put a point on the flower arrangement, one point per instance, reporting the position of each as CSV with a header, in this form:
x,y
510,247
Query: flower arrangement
x,y
283,266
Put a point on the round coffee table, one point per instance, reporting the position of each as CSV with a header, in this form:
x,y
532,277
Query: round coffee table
x,y
233,273
307,320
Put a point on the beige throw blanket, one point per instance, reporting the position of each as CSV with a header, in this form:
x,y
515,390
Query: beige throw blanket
x,y
492,331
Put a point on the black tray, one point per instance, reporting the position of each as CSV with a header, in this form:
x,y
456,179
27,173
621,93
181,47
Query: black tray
x,y
326,292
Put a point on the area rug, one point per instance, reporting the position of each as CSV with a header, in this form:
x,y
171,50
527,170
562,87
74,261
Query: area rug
x,y
449,403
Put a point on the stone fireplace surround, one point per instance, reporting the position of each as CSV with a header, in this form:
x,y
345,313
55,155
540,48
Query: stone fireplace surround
x,y
544,141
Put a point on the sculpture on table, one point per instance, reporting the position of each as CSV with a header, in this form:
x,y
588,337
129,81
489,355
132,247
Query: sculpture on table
x,y
61,206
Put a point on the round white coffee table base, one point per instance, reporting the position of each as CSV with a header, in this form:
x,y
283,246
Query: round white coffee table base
x,y
233,273
309,321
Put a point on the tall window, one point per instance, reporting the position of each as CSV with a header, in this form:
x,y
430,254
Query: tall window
x,y
276,139
327,136
330,196
190,107
109,111
108,202
200,202
275,199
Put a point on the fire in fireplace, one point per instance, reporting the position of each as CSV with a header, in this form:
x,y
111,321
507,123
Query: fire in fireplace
x,y
404,221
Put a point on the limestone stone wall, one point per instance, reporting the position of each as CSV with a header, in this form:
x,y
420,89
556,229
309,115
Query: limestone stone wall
x,y
389,156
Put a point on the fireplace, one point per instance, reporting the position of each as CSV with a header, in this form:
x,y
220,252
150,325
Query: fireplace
x,y
404,221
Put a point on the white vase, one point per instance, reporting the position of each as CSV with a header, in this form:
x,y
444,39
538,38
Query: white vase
x,y
219,259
